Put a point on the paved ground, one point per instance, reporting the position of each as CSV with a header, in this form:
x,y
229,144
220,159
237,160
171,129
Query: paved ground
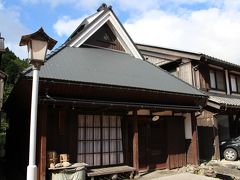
x,y
184,176
172,175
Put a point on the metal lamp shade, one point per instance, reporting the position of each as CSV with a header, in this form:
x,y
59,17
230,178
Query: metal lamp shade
x,y
2,48
37,50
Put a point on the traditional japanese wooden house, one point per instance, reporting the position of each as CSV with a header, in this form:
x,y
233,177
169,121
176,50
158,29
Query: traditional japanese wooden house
x,y
217,78
103,104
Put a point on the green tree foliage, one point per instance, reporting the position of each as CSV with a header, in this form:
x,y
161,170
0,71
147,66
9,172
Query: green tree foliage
x,y
12,66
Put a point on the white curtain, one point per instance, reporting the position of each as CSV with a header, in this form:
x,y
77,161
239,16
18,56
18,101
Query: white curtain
x,y
91,140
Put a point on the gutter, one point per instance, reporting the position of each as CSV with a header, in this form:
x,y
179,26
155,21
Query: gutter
x,y
49,99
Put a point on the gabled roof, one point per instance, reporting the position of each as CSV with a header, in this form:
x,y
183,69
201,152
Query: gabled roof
x,y
154,50
91,24
106,67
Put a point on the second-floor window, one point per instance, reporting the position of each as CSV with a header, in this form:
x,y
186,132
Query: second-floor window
x,y
235,83
217,80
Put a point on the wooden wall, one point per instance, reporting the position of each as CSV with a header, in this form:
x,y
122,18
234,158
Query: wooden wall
x,y
192,144
204,77
62,132
208,136
173,141
185,72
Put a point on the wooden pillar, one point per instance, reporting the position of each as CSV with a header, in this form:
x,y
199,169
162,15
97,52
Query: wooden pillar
x,y
216,139
195,153
42,133
135,142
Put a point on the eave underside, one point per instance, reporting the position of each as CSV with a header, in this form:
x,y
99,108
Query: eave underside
x,y
92,96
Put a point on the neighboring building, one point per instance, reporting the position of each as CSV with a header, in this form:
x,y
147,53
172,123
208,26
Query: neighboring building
x,y
102,104
219,79
3,75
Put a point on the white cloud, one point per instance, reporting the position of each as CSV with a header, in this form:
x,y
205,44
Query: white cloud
x,y
65,25
85,5
12,29
212,31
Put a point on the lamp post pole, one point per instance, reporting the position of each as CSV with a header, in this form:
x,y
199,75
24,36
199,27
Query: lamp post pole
x,y
32,168
37,43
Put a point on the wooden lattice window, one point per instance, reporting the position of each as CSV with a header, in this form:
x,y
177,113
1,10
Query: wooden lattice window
x,y
99,140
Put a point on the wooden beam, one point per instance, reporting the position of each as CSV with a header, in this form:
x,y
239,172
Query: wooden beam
x,y
195,154
42,119
135,142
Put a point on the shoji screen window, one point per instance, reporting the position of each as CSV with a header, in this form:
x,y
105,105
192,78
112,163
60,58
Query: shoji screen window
x,y
99,140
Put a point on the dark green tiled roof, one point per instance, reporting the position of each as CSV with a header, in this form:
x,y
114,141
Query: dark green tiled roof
x,y
92,65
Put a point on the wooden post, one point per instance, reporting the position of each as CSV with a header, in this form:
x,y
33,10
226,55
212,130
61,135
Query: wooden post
x,y
195,154
216,139
135,142
43,141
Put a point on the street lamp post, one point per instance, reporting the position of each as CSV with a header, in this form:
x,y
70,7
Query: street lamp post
x,y
37,44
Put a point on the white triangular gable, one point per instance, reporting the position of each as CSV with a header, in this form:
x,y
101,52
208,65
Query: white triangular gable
x,y
109,18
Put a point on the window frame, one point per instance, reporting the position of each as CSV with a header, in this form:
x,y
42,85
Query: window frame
x,y
118,139
236,77
215,79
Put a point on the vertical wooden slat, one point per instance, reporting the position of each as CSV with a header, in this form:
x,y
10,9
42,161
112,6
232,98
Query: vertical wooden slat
x,y
135,142
148,144
73,135
43,141
125,140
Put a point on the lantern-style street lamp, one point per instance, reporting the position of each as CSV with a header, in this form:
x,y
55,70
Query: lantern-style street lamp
x,y
37,44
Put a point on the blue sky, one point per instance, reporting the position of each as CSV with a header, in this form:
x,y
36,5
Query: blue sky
x,y
207,26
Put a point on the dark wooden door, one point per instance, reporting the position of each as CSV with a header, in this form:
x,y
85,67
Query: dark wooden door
x,y
143,146
176,142
158,145
152,145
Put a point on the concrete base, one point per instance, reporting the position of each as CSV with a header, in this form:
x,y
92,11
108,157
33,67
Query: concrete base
x,y
32,172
